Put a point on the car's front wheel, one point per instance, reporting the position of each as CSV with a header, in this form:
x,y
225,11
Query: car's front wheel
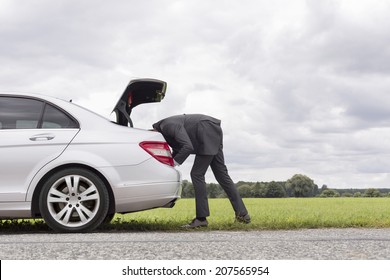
x,y
74,200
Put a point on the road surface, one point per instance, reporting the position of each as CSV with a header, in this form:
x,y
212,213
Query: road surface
x,y
309,244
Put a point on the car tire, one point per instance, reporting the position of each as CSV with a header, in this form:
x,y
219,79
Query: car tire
x,y
109,218
74,200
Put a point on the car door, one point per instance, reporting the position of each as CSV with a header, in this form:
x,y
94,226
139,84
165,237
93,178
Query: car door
x,y
32,133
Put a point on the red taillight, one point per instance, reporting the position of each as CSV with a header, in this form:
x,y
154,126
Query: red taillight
x,y
158,150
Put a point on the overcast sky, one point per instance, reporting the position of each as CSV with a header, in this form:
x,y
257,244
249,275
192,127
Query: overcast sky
x,y
300,86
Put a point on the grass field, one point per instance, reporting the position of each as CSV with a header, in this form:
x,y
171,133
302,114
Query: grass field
x,y
285,213
267,214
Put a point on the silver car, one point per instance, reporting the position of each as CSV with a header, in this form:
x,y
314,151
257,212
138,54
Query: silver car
x,y
75,168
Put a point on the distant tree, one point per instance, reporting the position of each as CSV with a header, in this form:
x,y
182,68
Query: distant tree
x,y
258,190
213,190
324,187
316,191
245,190
329,193
357,194
239,183
300,185
372,193
347,194
274,189
187,189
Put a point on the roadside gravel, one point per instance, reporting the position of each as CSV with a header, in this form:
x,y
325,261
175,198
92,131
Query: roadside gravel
x,y
314,244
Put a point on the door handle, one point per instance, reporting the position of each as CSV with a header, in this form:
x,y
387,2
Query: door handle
x,y
42,137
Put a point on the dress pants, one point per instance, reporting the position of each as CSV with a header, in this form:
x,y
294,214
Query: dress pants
x,y
217,164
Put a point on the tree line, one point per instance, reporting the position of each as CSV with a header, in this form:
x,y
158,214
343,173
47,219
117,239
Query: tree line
x,y
298,186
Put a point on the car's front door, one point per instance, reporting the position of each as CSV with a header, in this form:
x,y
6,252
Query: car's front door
x,y
32,133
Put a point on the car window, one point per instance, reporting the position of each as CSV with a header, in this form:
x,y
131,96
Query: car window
x,y
20,113
26,113
55,118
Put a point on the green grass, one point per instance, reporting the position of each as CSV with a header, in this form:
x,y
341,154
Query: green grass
x,y
285,213
267,214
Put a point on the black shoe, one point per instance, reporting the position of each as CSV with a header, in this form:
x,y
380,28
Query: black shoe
x,y
195,223
245,219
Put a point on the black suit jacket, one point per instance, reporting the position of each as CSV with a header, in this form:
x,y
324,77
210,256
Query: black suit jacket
x,y
191,134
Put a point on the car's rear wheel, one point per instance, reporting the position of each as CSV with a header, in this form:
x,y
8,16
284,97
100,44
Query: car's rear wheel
x,y
109,218
74,200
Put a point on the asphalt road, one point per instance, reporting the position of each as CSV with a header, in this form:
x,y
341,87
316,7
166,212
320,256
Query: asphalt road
x,y
312,244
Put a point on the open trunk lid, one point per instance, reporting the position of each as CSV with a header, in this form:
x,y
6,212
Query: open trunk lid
x,y
138,92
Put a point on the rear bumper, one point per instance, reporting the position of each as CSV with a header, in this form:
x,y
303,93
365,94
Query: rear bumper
x,y
144,186
149,196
